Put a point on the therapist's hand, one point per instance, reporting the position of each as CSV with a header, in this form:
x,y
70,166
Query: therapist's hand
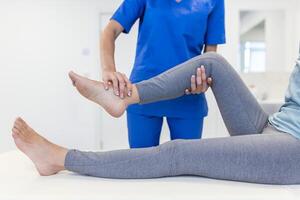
x,y
121,85
199,82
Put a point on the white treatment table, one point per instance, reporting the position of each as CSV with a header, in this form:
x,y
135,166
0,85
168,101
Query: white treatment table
x,y
20,181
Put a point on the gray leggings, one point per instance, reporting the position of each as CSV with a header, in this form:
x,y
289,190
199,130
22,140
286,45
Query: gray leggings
x,y
249,156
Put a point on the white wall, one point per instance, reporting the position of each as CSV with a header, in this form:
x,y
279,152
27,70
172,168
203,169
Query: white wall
x,y
275,39
40,41
298,19
214,127
233,7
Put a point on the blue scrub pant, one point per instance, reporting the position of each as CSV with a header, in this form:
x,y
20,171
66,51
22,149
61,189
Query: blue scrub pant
x,y
144,131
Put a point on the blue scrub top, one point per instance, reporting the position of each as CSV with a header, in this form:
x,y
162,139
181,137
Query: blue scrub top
x,y
169,34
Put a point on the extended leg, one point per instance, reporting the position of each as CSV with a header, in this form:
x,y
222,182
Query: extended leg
x,y
264,158
47,157
272,158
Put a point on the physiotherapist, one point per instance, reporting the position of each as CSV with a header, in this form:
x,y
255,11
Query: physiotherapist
x,y
170,32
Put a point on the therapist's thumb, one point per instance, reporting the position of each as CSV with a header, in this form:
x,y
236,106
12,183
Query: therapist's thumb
x,y
209,81
106,83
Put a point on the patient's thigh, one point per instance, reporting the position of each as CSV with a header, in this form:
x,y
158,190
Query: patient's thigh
x,y
249,158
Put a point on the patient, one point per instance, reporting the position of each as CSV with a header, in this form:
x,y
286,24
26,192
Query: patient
x,y
264,149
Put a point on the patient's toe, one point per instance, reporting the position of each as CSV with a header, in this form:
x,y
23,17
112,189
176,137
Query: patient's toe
x,y
19,124
73,77
15,132
22,122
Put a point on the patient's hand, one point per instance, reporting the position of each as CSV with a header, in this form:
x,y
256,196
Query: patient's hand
x,y
199,82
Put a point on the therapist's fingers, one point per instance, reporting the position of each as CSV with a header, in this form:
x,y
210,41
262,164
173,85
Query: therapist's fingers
x,y
128,85
209,81
204,79
115,84
122,84
105,83
193,84
199,77
187,92
199,81
106,77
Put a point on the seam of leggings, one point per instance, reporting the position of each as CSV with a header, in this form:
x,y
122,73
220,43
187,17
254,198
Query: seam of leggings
x,y
176,162
173,163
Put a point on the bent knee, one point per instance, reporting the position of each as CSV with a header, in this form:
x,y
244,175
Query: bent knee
x,y
214,55
215,59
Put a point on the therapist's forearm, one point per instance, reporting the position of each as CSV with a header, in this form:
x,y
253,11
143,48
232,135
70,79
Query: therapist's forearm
x,y
120,82
210,48
107,49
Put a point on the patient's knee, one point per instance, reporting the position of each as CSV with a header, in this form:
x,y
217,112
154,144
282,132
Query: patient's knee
x,y
171,147
215,59
214,55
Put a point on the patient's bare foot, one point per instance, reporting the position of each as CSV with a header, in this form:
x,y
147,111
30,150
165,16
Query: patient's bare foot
x,y
47,157
94,91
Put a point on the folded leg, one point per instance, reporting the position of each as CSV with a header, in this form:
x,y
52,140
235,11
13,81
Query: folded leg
x,y
241,112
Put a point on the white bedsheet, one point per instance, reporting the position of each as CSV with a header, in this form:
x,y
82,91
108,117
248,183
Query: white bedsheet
x,y
19,180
